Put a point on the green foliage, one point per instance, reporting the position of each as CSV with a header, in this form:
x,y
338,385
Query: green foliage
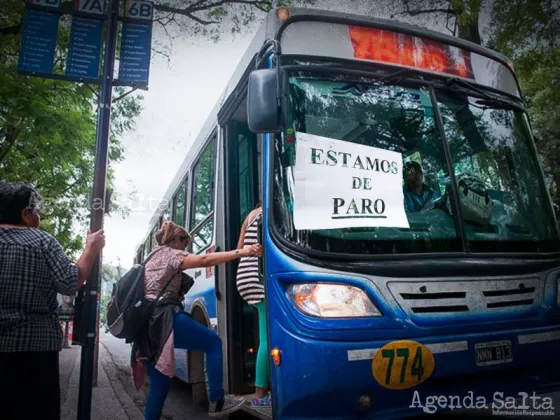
x,y
47,128
526,31
522,26
47,132
539,76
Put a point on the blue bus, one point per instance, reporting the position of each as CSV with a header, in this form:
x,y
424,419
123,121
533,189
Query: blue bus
x,y
411,246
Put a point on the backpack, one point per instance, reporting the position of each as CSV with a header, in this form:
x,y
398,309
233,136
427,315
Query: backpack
x,y
128,310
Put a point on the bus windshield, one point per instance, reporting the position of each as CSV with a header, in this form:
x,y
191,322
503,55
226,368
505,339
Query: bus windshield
x,y
503,205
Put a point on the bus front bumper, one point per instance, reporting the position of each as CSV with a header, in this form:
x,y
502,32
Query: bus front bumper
x,y
335,380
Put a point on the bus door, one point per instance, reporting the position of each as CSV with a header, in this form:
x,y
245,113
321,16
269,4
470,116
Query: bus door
x,y
242,192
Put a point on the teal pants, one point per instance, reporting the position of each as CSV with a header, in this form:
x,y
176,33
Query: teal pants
x,y
262,375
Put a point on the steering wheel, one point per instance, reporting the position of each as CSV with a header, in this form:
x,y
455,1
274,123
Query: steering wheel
x,y
475,202
442,203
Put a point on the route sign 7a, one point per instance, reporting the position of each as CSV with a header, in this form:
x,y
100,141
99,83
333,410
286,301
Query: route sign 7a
x,y
139,9
91,6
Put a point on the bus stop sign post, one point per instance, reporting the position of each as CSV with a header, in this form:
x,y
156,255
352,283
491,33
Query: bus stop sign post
x,y
97,210
36,59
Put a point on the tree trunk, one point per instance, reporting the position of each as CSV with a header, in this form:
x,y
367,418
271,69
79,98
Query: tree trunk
x,y
470,32
11,135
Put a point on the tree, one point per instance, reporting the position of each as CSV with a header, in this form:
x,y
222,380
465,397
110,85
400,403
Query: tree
x,y
527,32
47,128
47,132
462,16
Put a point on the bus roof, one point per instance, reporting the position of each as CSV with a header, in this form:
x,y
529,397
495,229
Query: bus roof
x,y
273,28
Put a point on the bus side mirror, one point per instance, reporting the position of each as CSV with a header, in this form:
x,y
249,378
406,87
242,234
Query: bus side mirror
x,y
265,104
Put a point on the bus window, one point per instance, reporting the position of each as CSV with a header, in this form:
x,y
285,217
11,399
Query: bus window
x,y
387,117
153,239
166,213
179,205
203,199
503,204
146,248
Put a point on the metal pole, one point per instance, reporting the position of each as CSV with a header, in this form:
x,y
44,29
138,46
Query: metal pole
x,y
65,344
96,347
97,210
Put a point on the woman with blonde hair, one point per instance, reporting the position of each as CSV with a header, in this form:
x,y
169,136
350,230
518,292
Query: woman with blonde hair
x,y
170,327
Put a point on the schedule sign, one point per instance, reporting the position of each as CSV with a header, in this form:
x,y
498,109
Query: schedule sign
x,y
82,61
136,43
85,48
38,41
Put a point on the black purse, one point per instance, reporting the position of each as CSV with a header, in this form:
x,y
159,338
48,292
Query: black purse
x,y
81,307
187,283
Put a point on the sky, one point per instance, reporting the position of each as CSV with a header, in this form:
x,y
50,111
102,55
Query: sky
x,y
180,97
182,92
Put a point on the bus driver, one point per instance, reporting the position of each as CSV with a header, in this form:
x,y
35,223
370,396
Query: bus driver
x,y
416,194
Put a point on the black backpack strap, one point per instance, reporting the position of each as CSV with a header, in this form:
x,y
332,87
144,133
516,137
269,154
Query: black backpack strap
x,y
162,291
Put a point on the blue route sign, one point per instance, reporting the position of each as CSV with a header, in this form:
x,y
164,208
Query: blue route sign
x,y
38,41
136,42
83,61
136,48
84,53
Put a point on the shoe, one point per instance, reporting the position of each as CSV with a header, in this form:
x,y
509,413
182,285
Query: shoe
x,y
225,406
262,402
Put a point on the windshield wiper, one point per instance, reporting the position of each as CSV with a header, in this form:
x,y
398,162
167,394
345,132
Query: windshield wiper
x,y
398,75
489,100
499,104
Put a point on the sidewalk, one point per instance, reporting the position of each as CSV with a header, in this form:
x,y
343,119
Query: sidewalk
x,y
109,401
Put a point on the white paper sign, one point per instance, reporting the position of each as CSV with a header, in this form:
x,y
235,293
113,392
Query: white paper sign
x,y
339,184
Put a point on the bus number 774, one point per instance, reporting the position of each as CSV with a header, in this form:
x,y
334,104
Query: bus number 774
x,y
402,364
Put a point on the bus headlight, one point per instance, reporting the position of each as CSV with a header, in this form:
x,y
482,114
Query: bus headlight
x,y
331,300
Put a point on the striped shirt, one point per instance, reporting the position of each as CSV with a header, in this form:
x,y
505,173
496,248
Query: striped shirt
x,y
248,281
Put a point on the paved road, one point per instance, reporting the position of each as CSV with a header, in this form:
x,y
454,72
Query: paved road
x,y
179,404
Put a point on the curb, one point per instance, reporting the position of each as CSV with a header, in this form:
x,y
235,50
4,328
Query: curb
x,y
128,405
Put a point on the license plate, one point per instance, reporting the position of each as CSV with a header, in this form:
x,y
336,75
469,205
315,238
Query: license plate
x,y
493,353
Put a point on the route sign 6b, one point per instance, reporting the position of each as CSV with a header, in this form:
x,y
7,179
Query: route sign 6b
x,y
139,9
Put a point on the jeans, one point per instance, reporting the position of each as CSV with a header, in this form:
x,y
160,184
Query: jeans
x,y
188,334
